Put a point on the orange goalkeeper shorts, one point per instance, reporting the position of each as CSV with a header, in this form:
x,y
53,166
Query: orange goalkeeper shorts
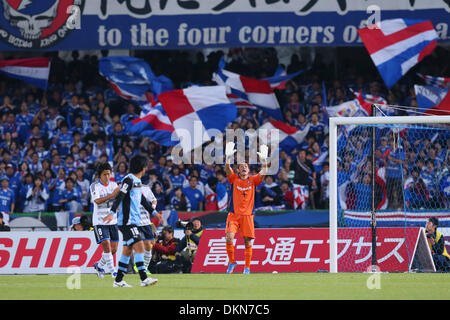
x,y
244,224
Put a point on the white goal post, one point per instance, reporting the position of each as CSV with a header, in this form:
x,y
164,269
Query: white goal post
x,y
333,124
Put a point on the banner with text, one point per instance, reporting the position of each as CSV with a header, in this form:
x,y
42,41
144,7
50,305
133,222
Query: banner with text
x,y
160,24
307,250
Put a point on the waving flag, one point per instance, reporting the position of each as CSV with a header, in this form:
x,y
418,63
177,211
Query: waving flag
x,y
354,108
279,79
433,100
440,82
398,45
381,102
132,78
200,112
239,102
33,71
156,125
301,196
257,92
216,200
288,137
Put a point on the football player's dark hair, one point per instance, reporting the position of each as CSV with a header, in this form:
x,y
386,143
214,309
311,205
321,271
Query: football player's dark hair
x,y
102,167
137,163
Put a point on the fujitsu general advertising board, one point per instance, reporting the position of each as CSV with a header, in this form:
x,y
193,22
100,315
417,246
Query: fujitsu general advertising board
x,y
307,250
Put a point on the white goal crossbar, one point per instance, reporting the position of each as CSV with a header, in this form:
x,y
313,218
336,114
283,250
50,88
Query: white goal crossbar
x,y
334,122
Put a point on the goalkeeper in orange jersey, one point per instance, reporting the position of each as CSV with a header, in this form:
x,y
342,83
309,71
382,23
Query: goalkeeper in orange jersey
x,y
241,205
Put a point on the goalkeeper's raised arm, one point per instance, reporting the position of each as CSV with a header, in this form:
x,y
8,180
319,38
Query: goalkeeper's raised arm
x,y
229,152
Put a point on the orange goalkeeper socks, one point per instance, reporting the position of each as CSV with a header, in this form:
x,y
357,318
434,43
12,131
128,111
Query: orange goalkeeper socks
x,y
248,256
230,252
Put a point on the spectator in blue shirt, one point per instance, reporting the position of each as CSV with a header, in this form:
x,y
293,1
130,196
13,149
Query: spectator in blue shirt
x,y
78,126
23,121
130,115
122,171
317,128
176,178
194,195
35,165
64,139
14,178
160,196
179,201
7,197
71,200
394,164
205,171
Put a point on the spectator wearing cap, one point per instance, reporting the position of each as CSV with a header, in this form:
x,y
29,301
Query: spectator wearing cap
x,y
436,243
7,197
76,224
3,225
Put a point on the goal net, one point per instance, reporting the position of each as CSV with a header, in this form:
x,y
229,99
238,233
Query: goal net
x,y
389,175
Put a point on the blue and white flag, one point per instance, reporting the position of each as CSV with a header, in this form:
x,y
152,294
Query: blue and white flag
x,y
433,100
33,70
198,113
397,45
132,78
156,125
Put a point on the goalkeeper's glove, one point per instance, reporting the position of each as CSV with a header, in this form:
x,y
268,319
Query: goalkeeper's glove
x,y
263,153
229,150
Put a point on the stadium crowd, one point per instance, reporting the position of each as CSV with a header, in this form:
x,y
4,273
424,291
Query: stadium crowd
x,y
51,142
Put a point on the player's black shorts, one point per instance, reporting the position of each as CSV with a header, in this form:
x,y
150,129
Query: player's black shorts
x,y
146,232
106,232
130,234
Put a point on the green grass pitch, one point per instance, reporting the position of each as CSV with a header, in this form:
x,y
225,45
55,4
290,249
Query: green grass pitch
x,y
286,286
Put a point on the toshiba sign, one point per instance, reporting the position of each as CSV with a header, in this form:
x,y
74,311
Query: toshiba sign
x,y
48,252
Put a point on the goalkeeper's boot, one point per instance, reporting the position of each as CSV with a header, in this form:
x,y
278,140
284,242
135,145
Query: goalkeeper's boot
x,y
100,271
135,268
246,271
231,267
121,284
148,282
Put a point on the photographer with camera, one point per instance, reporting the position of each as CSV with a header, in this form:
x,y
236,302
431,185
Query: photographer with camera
x,y
437,245
186,249
163,253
